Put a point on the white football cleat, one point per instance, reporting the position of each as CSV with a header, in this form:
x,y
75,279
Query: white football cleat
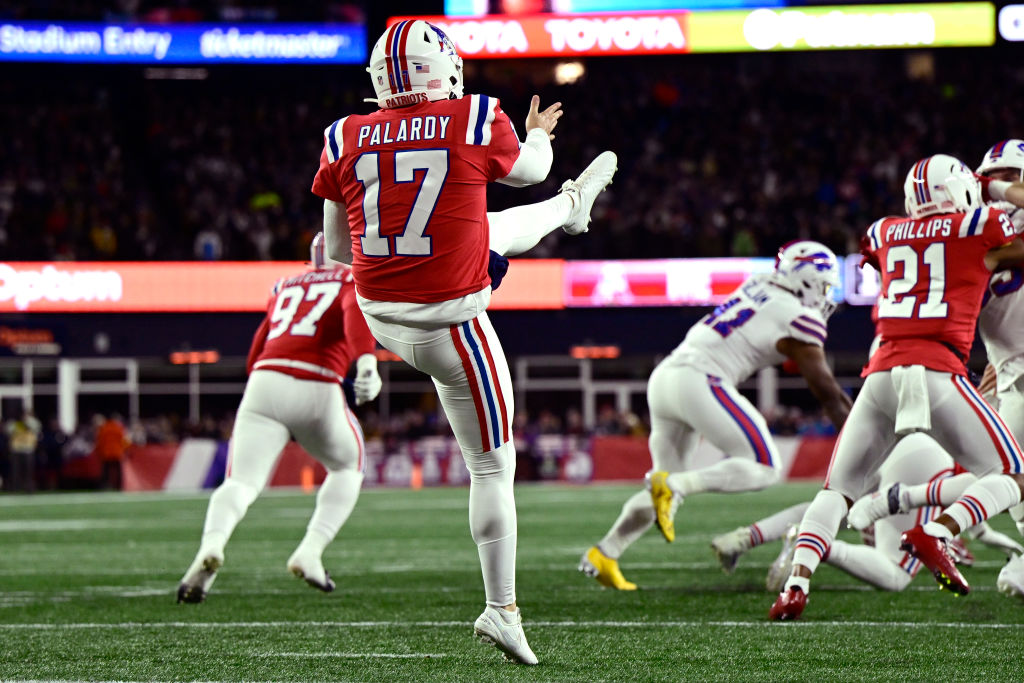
x,y
586,187
309,567
875,506
729,546
494,628
200,575
782,567
1011,578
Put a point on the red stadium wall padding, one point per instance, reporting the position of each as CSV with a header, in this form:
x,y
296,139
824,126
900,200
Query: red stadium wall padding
x,y
146,467
812,457
620,458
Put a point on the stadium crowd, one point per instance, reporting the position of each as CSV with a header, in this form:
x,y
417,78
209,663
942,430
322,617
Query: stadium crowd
x,y
116,167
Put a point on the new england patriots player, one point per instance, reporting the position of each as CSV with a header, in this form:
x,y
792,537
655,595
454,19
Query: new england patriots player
x,y
404,192
692,394
312,333
935,265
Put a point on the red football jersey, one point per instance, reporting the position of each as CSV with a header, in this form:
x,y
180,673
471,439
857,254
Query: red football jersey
x,y
933,279
414,182
313,328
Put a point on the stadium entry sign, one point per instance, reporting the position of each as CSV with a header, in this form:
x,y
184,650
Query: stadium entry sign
x,y
757,30
34,41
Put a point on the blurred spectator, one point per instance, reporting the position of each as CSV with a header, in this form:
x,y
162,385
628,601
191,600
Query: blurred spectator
x,y
52,444
111,446
23,438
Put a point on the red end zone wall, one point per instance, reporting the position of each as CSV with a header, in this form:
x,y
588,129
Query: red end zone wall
x,y
200,463
617,458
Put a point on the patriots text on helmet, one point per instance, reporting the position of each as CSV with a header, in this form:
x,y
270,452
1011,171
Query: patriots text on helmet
x,y
410,129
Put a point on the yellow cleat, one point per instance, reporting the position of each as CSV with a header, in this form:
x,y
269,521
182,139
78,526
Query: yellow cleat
x,y
661,496
597,565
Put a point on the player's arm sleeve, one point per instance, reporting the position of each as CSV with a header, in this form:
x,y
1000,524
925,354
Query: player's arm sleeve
x,y
325,182
810,360
357,334
534,161
870,243
508,162
258,340
337,235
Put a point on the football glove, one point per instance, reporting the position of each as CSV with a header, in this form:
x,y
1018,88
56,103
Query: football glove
x,y
497,266
367,384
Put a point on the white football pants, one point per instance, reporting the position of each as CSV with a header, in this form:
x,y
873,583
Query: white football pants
x,y
962,423
468,367
274,408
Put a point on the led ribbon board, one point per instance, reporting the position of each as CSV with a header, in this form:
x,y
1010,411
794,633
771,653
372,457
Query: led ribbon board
x,y
839,27
28,41
531,284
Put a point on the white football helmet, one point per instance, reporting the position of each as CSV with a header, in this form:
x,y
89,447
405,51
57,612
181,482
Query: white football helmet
x,y
318,254
1005,154
940,184
809,270
414,61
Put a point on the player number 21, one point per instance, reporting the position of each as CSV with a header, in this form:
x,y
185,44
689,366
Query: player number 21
x,y
287,304
412,241
898,303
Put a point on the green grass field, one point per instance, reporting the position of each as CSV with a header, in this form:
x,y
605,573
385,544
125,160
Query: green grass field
x,y
89,584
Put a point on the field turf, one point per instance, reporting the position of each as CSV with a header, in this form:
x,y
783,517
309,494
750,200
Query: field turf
x,y
88,587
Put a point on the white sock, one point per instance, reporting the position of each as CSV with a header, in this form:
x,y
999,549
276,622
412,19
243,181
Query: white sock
x,y
818,528
227,507
773,528
937,530
492,520
1017,514
939,492
801,582
868,564
726,476
988,496
334,502
520,228
636,518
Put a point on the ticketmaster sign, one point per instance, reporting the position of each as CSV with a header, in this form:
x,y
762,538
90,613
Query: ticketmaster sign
x,y
182,44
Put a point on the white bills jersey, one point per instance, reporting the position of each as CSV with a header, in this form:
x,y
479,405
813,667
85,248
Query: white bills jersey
x,y
738,338
1002,315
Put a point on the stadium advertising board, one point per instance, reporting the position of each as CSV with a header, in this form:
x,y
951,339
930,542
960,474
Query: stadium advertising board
x,y
1011,23
479,8
35,41
762,29
531,284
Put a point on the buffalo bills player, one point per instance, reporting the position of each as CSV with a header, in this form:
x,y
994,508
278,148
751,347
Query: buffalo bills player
x,y
692,394
404,192
312,333
935,264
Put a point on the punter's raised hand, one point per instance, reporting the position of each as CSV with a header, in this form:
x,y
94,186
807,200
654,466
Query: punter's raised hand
x,y
546,120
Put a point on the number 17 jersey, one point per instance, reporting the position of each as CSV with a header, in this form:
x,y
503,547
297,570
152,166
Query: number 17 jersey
x,y
933,279
738,338
414,180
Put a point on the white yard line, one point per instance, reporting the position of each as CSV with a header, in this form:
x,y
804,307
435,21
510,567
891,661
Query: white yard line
x,y
352,655
530,624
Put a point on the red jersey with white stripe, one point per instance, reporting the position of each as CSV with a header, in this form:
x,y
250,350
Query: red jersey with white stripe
x,y
414,182
313,328
933,279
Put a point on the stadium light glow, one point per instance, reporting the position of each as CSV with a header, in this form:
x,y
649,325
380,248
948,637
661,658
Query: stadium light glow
x,y
567,73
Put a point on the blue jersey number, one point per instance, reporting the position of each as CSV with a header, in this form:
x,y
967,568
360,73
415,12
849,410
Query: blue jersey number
x,y
725,326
